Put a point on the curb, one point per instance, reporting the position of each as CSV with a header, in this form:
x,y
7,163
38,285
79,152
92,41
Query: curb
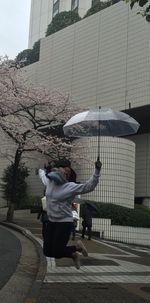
x,y
37,284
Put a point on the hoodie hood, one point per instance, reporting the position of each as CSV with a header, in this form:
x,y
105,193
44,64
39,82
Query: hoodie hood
x,y
57,176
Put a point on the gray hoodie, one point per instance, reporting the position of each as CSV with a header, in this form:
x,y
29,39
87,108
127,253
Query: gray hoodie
x,y
59,197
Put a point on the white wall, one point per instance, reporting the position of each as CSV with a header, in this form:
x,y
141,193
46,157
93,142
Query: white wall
x,y
126,234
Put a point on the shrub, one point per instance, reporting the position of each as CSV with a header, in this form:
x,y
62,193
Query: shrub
x,y
34,56
119,215
24,57
96,7
30,202
29,56
61,21
21,185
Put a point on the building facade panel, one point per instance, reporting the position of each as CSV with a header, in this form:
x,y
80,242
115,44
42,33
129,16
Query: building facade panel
x,y
117,177
99,61
142,170
85,62
138,62
112,57
61,64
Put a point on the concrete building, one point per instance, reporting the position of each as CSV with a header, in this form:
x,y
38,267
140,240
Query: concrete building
x,y
43,11
104,60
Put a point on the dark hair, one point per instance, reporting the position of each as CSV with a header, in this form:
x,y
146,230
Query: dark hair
x,y
47,168
73,176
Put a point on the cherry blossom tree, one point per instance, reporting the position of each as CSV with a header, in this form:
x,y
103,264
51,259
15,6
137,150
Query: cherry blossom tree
x,y
25,111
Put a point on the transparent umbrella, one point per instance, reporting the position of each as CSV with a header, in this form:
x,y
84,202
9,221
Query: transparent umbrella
x,y
102,122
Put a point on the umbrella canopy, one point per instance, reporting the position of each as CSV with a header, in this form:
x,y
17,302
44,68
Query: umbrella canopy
x,y
102,122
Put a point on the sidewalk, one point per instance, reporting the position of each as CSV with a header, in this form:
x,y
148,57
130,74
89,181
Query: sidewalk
x,y
108,274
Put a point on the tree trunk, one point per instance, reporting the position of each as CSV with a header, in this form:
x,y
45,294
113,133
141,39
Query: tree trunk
x,y
11,207
10,212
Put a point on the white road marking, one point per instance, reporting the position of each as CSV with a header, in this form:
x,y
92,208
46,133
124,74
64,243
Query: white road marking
x,y
123,272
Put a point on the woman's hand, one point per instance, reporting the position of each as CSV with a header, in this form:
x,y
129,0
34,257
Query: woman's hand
x,y
98,165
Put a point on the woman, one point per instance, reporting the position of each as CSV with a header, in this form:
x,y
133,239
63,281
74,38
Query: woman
x,y
59,197
87,220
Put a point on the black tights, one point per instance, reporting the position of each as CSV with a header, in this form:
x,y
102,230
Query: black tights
x,y
56,237
89,230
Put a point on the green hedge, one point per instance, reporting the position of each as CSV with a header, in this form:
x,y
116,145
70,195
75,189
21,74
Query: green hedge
x,y
62,20
30,202
119,215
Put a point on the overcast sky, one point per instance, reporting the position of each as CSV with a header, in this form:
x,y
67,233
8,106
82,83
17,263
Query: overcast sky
x,y
14,26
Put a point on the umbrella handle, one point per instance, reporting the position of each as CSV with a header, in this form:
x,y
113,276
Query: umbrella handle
x,y
99,132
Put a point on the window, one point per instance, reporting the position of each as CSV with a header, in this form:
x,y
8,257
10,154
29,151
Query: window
x,y
74,5
55,7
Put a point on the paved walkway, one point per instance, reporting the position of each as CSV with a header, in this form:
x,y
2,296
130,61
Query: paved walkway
x,y
110,267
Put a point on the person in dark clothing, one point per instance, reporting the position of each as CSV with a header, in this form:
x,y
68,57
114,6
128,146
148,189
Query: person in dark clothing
x,y
87,220
42,215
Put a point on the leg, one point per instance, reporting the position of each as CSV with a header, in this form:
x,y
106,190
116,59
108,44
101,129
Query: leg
x,y
74,229
83,231
44,228
48,239
73,232
55,242
58,242
89,232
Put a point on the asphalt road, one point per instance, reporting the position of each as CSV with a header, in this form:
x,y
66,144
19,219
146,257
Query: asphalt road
x,y
10,251
88,293
122,269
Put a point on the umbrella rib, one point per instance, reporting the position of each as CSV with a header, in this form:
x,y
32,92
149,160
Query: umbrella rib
x,y
110,128
100,123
